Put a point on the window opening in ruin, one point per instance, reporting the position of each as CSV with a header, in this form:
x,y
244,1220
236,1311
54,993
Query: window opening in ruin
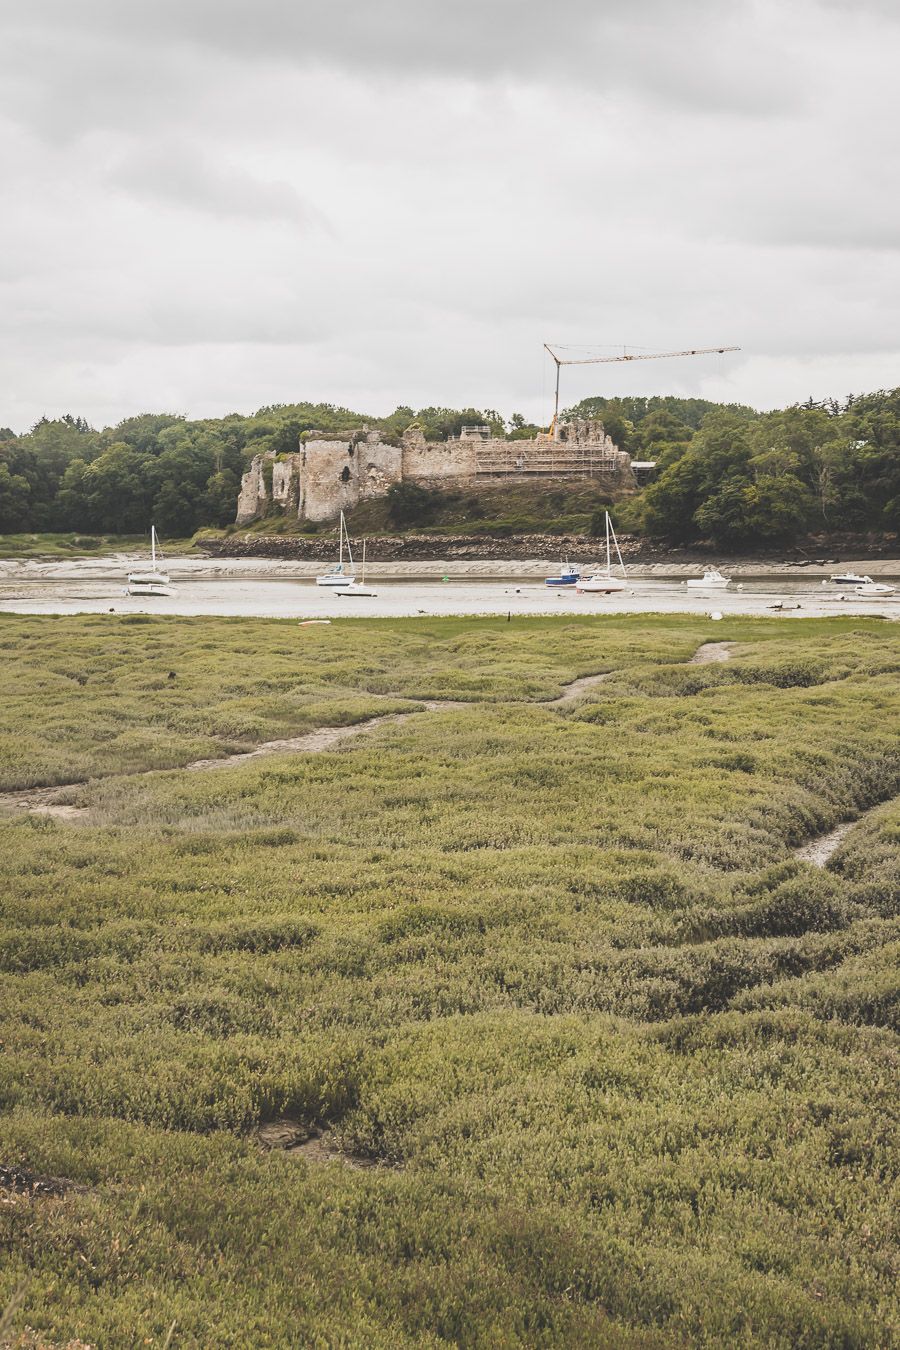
x,y
345,474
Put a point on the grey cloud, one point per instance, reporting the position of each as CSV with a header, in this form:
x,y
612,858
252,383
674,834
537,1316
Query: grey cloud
x,y
697,54
661,174
181,176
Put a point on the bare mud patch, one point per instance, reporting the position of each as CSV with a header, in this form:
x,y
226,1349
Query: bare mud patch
x,y
323,738
25,1182
43,802
308,1143
574,690
710,653
818,851
49,801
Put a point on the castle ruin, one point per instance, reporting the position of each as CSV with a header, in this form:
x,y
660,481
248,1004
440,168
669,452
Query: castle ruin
x,y
331,474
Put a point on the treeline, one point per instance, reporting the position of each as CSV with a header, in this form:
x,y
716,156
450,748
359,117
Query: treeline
x,y
736,477
181,475
726,473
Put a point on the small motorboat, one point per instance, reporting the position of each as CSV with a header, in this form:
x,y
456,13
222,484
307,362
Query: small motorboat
x,y
335,574
568,576
152,581
712,580
849,579
602,580
873,589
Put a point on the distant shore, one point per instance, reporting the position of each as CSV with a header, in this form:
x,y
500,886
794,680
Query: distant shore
x,y
495,552
674,566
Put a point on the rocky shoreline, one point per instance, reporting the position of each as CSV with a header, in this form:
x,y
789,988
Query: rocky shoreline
x,y
816,551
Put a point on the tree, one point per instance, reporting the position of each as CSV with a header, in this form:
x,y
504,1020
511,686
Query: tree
x,y
14,500
218,501
115,492
715,463
175,510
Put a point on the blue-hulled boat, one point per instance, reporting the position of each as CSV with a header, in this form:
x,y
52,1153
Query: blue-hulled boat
x,y
567,577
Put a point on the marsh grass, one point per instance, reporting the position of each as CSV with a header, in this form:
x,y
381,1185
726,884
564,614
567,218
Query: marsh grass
x,y
625,1067
75,545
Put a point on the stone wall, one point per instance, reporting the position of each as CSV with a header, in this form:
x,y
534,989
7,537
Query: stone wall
x,y
253,497
334,475
328,475
436,461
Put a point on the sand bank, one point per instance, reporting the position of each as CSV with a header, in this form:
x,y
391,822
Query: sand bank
x,y
116,566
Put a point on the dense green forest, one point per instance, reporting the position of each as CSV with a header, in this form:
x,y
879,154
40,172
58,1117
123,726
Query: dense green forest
x,y
726,473
64,475
738,477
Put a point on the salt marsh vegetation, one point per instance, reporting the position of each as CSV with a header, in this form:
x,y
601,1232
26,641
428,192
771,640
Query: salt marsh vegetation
x,y
620,1067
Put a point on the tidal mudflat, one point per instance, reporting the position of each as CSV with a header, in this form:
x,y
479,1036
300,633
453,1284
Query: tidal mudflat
x,y
484,999
265,589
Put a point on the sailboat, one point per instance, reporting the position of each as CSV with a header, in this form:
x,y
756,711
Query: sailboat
x,y
603,580
152,582
357,587
335,574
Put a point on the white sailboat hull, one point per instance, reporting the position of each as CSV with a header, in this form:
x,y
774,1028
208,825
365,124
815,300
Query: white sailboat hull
x,y
148,578
601,585
602,582
143,586
335,579
355,589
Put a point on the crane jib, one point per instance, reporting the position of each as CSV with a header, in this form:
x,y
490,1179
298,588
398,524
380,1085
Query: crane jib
x,y
626,356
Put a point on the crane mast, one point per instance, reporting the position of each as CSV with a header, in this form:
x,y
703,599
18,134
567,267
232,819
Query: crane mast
x,y
626,356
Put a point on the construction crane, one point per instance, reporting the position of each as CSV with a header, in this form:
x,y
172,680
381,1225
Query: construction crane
x,y
626,356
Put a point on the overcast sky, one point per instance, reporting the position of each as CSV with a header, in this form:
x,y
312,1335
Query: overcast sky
x,y
211,205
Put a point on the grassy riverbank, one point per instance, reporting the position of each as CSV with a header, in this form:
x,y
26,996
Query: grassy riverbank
x,y
596,1061
52,547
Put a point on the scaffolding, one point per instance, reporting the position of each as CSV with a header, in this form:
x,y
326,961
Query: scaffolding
x,y
546,458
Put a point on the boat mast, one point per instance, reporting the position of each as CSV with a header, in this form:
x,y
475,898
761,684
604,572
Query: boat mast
x,y
608,563
153,547
618,553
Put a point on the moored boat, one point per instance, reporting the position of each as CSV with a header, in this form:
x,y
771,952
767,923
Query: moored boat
x,y
335,574
151,581
712,580
849,579
357,588
568,576
874,589
602,580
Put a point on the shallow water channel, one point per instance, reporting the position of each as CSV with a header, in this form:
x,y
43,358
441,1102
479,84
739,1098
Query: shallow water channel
x,y
83,591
